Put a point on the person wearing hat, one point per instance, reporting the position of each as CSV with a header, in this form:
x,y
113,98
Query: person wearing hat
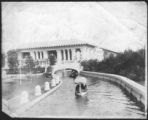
x,y
80,84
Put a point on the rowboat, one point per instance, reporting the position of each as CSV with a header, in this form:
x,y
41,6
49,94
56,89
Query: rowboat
x,y
81,94
81,90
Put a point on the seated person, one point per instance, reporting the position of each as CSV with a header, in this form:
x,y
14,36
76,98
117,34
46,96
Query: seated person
x,y
74,74
83,87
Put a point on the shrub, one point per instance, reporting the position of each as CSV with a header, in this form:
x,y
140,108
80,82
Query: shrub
x,y
130,64
12,59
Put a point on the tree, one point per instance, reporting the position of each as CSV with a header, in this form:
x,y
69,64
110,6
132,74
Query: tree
x,y
3,59
12,59
30,64
130,64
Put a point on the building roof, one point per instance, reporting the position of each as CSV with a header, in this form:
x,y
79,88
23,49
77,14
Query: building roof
x,y
53,44
109,50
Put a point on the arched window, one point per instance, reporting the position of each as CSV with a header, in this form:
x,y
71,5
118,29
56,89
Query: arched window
x,y
66,52
70,54
39,55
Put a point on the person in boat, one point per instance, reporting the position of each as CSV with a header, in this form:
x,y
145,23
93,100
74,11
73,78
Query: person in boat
x,y
80,84
81,88
74,74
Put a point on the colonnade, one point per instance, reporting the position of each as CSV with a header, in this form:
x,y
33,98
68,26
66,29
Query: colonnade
x,y
68,55
38,55
62,55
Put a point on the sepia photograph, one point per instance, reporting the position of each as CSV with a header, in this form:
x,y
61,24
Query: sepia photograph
x,y
74,59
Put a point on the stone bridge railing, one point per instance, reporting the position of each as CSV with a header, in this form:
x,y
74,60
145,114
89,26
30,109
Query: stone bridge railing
x,y
137,90
74,65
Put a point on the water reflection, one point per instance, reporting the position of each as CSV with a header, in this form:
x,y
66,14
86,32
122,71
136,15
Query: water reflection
x,y
81,101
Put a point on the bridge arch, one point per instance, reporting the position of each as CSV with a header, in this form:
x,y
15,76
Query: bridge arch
x,y
69,66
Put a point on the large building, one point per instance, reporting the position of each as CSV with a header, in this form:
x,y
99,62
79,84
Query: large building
x,y
64,51
107,53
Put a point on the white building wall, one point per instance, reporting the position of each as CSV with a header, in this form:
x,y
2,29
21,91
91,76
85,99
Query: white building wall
x,y
86,53
32,54
45,54
73,54
59,56
19,55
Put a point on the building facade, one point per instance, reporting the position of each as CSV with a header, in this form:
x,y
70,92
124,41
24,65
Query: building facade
x,y
108,53
66,53
63,52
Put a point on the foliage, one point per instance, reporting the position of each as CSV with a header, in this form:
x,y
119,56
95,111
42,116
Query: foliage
x,y
30,64
3,59
49,71
12,59
130,64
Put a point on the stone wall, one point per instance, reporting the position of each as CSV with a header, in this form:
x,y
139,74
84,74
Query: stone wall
x,y
137,90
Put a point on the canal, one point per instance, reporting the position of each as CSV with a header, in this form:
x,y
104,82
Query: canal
x,y
104,100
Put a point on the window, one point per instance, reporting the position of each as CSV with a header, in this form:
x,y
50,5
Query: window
x,y
78,50
70,54
62,54
66,52
39,55
25,54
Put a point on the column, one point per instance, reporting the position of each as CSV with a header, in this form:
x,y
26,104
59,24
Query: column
x,y
82,53
68,56
64,55
73,54
45,54
59,56
36,55
31,54
46,57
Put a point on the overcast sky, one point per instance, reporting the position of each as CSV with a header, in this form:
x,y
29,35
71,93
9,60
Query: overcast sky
x,y
112,25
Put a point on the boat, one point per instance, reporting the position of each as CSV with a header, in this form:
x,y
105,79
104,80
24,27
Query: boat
x,y
81,94
81,89
73,74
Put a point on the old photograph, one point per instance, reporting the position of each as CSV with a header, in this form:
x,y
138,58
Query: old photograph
x,y
74,59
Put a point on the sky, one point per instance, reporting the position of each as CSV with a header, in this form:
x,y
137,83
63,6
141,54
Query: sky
x,y
116,26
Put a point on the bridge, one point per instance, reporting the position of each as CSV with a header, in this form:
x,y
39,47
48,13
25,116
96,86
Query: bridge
x,y
75,65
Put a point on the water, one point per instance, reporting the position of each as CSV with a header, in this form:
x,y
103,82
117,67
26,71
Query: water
x,y
103,100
